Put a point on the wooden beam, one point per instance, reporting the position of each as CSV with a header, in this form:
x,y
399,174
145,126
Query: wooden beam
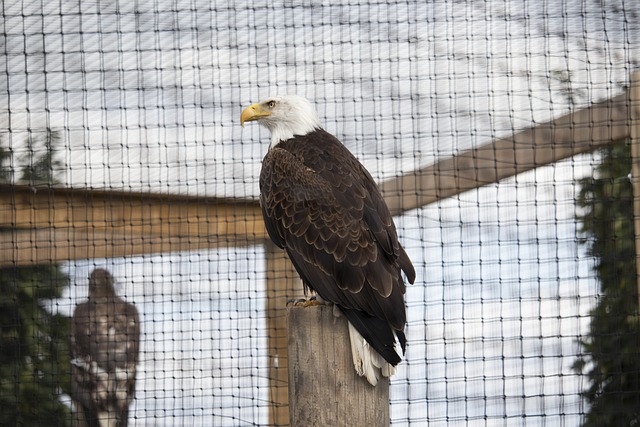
x,y
283,284
44,246
52,225
324,388
580,132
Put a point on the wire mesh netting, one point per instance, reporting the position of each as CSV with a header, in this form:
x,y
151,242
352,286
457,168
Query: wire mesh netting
x,y
133,109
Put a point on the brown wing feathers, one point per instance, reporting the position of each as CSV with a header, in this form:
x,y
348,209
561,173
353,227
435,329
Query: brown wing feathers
x,y
323,207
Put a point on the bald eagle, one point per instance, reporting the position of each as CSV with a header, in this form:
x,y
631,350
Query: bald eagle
x,y
105,338
324,209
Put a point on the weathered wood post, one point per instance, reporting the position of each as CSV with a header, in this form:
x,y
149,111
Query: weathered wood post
x,y
283,283
324,388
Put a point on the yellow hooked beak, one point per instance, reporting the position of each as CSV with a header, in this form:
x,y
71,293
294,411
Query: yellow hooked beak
x,y
253,112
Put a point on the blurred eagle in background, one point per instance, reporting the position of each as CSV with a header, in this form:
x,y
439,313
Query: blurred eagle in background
x,y
105,339
322,206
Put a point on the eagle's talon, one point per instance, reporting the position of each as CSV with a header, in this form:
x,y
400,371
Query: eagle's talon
x,y
313,301
301,302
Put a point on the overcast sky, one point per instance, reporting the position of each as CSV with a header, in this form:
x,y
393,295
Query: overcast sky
x,y
147,96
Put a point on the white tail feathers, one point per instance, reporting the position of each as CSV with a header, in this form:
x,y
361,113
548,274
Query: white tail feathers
x,y
366,360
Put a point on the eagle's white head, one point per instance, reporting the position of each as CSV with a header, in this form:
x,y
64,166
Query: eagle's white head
x,y
285,116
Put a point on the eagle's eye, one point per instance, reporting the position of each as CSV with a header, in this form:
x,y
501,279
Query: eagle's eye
x,y
271,104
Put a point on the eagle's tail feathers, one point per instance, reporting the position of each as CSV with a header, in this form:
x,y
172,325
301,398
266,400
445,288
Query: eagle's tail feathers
x,y
367,362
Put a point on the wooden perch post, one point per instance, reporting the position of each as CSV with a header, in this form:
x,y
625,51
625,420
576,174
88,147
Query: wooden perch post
x,y
324,388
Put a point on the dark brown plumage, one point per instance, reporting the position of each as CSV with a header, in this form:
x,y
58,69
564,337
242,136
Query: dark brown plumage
x,y
322,206
105,339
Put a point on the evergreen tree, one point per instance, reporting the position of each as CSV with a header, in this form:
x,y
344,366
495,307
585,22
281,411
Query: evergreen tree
x,y
612,351
34,354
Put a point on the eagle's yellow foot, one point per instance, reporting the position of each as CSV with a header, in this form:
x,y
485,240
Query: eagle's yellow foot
x,y
313,301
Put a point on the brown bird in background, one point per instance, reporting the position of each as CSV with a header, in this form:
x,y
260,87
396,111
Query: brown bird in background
x,y
105,340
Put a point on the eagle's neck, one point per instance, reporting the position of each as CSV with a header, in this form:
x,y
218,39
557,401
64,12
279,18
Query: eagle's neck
x,y
102,293
281,134
303,122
